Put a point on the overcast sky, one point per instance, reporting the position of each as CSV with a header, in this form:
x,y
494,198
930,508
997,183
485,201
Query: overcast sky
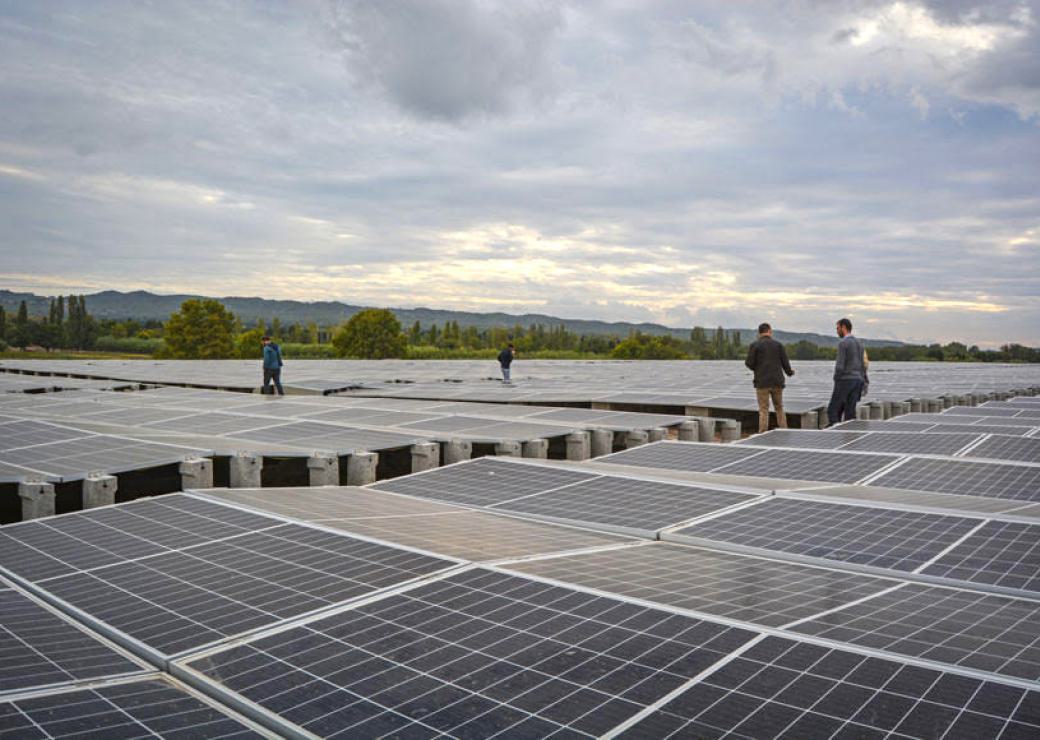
x,y
680,162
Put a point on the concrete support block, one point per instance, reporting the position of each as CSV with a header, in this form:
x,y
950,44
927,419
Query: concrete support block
x,y
425,456
578,444
808,420
707,429
37,500
863,412
689,431
361,468
730,430
603,442
916,405
99,490
877,410
634,438
536,448
244,470
821,417
508,448
457,450
196,472
601,406
323,469
656,434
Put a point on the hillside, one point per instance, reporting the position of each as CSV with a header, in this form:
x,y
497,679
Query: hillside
x,y
143,305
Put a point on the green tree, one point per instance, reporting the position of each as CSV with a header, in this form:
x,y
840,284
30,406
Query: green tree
x,y
21,335
201,329
415,334
3,324
248,346
372,334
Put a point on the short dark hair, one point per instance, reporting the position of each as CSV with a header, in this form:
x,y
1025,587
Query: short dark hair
x,y
265,339
846,323
763,328
510,345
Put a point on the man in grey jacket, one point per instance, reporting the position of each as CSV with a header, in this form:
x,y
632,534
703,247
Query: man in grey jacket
x,y
850,375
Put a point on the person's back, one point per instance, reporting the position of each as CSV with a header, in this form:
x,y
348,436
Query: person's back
x,y
505,359
767,358
272,366
850,363
272,356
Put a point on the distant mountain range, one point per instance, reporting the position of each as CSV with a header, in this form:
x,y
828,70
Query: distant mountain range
x,y
142,305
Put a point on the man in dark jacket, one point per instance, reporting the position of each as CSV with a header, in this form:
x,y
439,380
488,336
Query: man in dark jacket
x,y
505,359
850,375
272,366
768,359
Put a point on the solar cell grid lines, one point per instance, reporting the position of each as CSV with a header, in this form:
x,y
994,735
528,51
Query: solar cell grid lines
x,y
861,535
790,689
144,708
38,648
472,655
26,433
1008,448
911,444
969,477
75,458
482,482
741,587
626,504
1005,554
830,466
974,630
681,456
810,439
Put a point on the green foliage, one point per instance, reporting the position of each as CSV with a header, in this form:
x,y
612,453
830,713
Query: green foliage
x,y
307,351
372,334
645,347
248,346
128,345
201,329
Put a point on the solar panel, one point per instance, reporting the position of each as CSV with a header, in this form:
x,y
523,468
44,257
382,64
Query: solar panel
x,y
833,467
626,504
978,411
978,429
54,546
448,423
23,433
966,628
472,655
740,587
185,599
1008,448
151,707
680,456
968,477
14,473
482,482
1005,554
864,535
75,458
210,423
913,444
327,437
792,689
811,439
866,425
38,648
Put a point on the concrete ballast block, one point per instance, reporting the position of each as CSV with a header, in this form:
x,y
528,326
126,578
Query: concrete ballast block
x,y
689,431
808,420
602,442
244,470
578,445
196,472
323,469
707,429
457,450
730,430
37,500
425,456
656,434
508,448
536,448
635,438
863,412
361,468
99,490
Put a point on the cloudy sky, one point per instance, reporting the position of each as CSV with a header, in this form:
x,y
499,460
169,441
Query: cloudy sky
x,y
678,162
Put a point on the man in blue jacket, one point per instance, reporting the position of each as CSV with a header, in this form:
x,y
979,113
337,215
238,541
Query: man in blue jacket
x,y
850,375
272,366
505,360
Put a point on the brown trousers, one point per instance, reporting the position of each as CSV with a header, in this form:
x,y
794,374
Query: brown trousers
x,y
764,394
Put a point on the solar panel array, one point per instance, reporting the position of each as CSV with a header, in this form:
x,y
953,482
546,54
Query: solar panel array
x,y
507,597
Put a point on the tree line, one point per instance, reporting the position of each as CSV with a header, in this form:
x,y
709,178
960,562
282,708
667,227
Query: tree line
x,y
206,329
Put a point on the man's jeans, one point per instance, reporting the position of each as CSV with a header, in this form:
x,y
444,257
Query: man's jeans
x,y
843,400
764,394
275,375
505,373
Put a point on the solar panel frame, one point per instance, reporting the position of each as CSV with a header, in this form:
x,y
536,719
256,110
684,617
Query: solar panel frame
x,y
1003,554
1009,480
685,456
819,465
998,447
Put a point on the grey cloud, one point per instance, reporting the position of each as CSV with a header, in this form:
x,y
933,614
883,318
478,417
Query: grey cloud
x,y
446,59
